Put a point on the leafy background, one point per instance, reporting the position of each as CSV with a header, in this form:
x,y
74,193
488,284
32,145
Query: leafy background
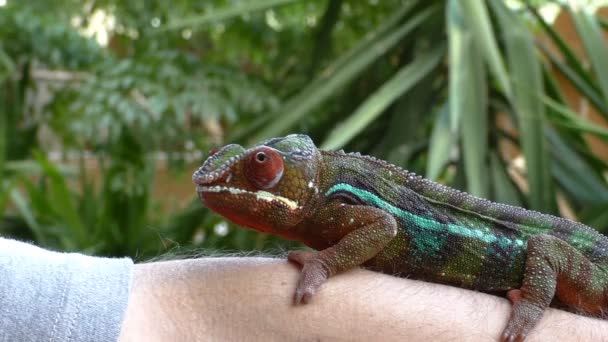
x,y
108,106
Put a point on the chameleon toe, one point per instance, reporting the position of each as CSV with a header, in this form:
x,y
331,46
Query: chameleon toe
x,y
300,256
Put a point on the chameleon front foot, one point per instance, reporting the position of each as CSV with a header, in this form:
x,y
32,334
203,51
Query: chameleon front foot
x,y
314,273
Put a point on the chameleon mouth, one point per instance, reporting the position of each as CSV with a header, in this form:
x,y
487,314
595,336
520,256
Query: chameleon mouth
x,y
260,195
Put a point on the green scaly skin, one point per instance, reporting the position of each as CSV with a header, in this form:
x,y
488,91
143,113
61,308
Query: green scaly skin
x,y
360,211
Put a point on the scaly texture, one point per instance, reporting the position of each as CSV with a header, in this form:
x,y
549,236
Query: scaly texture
x,y
360,211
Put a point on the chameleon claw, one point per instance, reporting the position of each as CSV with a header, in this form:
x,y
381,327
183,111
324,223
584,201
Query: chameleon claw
x,y
512,337
303,296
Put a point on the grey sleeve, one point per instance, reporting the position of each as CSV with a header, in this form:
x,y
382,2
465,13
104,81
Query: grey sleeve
x,y
51,296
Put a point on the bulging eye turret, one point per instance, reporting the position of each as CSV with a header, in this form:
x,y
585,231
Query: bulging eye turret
x,y
264,168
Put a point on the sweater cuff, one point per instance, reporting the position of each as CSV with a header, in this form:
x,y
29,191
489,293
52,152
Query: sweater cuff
x,y
55,296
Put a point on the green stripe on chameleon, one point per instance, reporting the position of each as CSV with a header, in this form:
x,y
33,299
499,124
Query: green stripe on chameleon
x,y
582,239
423,222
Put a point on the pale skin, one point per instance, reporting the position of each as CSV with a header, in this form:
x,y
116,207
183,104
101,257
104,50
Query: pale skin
x,y
233,299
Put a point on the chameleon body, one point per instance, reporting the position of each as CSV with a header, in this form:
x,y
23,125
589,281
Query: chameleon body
x,y
360,211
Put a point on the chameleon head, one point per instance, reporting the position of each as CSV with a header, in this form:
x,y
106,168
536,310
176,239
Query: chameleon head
x,y
266,187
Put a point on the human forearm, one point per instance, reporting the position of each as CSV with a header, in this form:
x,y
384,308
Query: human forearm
x,y
251,299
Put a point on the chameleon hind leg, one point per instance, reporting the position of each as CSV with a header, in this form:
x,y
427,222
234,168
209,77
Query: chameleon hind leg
x,y
555,268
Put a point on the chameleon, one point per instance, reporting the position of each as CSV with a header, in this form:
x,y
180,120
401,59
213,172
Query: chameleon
x,y
356,210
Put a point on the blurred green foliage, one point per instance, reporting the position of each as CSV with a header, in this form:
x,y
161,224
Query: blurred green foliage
x,y
423,84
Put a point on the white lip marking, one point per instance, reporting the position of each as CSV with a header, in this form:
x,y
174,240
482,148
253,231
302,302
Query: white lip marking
x,y
260,195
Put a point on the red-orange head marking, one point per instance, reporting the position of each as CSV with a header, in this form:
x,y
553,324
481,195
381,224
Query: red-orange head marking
x,y
266,187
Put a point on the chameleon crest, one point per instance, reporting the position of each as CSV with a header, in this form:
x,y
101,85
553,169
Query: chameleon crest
x,y
276,178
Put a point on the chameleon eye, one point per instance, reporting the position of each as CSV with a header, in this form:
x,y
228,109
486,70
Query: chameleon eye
x,y
264,168
260,157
